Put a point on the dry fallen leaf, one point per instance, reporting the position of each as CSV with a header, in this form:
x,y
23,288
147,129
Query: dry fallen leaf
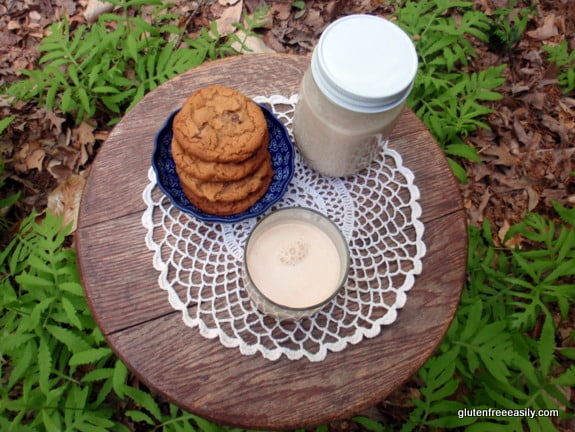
x,y
281,10
556,126
35,159
513,241
534,197
35,16
30,156
502,155
230,16
13,25
83,135
58,171
522,135
54,120
65,199
96,8
253,44
546,31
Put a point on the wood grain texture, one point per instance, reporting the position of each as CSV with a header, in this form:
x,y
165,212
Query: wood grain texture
x,y
220,383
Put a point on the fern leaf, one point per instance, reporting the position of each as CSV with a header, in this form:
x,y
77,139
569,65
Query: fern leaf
x,y
85,102
152,65
72,288
439,46
567,378
493,345
525,266
506,396
73,340
31,281
77,398
92,355
100,374
73,74
119,378
463,150
450,421
541,424
131,47
438,375
40,265
14,341
44,364
472,322
368,424
564,246
145,400
457,170
566,268
67,104
566,215
96,422
546,345
76,42
50,418
206,425
71,313
54,55
22,361
36,315
140,417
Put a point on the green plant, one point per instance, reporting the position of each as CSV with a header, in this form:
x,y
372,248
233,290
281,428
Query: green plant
x,y
8,201
5,122
500,351
446,97
44,324
507,27
541,271
57,371
212,45
113,63
564,58
298,5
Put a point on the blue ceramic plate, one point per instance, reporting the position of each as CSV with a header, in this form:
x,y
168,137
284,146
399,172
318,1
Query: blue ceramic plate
x,y
282,152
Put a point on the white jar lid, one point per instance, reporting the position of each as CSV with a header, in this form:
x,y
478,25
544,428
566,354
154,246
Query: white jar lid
x,y
364,63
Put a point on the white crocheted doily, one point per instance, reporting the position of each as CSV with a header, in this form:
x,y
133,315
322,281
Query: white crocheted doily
x,y
200,264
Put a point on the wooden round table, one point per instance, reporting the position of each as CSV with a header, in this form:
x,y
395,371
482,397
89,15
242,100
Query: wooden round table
x,y
202,376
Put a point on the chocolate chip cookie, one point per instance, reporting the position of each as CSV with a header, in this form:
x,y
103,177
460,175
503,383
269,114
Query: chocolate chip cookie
x,y
220,124
217,171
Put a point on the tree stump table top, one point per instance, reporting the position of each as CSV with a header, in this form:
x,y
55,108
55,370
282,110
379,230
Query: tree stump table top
x,y
202,376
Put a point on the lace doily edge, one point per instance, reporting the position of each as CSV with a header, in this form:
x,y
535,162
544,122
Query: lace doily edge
x,y
340,345
274,355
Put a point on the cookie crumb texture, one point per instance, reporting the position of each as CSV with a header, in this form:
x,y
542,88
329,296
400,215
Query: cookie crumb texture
x,y
219,124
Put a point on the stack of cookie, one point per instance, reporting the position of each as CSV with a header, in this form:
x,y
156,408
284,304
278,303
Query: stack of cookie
x,y
220,150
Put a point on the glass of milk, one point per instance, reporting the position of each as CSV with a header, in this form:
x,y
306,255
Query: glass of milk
x,y
295,262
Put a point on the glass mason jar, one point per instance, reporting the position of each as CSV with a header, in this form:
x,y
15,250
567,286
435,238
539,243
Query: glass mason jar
x,y
361,73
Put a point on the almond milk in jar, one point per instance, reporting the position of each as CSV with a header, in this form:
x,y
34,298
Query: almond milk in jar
x,y
362,70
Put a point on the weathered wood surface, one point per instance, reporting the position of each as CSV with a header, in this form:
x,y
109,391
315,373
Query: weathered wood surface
x,y
201,375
